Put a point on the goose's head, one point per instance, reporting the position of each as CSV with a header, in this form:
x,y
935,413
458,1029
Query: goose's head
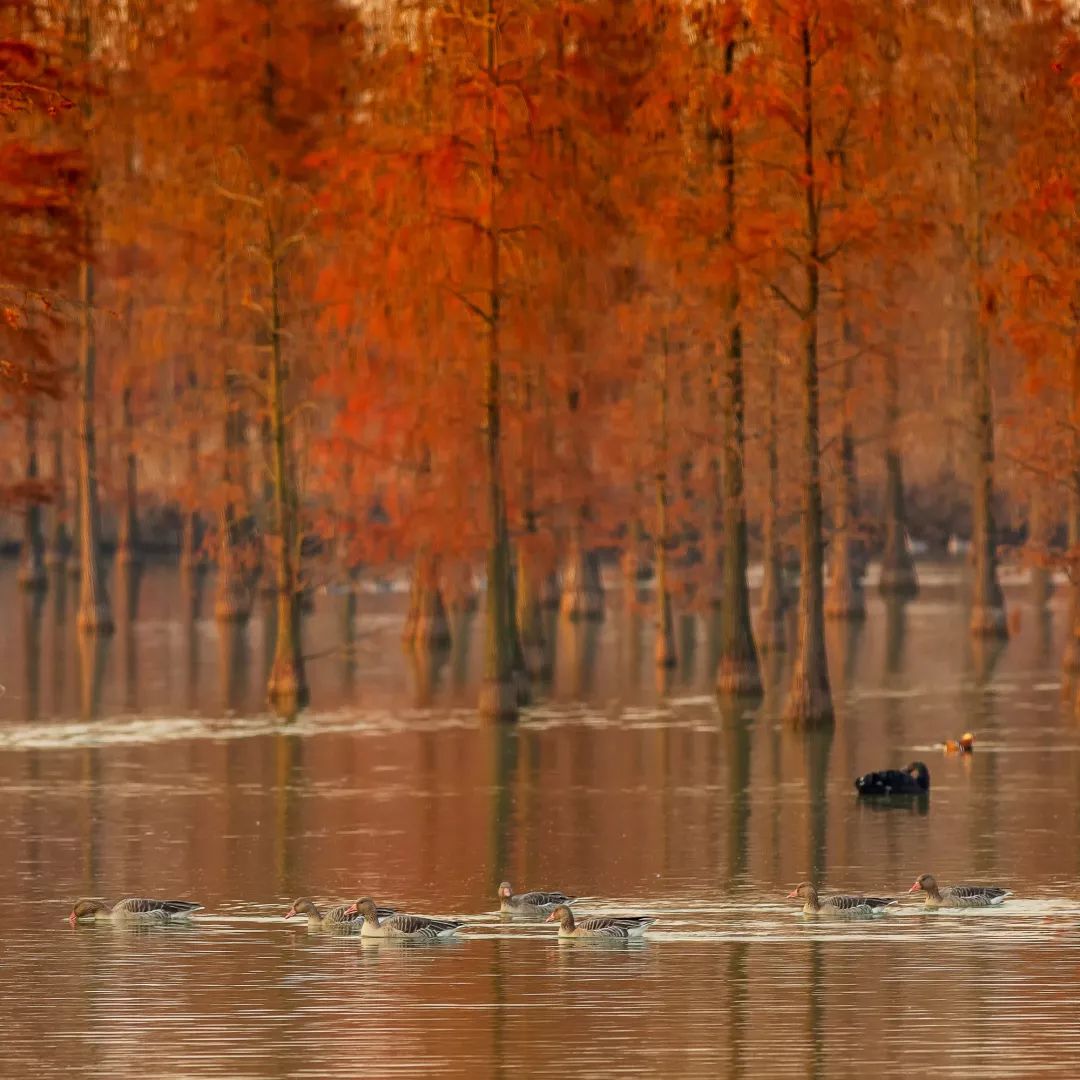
x,y
505,891
803,891
86,911
364,907
303,906
925,883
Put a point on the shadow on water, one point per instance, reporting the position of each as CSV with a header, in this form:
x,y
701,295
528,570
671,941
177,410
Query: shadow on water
x,y
129,577
234,665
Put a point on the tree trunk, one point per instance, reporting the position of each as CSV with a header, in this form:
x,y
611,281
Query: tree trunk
x,y
845,598
898,576
232,599
191,556
664,643
287,688
127,548
774,603
95,616
738,673
426,626
988,602
499,693
810,697
32,576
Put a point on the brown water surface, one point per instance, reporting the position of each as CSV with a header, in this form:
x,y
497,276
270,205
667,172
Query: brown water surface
x,y
145,765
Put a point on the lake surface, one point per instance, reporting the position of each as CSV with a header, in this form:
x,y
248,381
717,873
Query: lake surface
x,y
145,766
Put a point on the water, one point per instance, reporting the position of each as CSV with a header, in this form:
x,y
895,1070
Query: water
x,y
145,766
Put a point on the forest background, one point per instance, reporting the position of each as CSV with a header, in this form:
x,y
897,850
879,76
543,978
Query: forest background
x,y
503,293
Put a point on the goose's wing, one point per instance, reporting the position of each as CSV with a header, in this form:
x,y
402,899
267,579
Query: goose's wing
x,y
616,927
979,895
540,898
421,926
341,914
857,903
163,909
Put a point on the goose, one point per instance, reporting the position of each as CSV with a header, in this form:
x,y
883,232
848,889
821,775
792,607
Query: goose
x,y
964,745
619,927
913,779
959,895
135,909
838,905
530,903
418,927
335,916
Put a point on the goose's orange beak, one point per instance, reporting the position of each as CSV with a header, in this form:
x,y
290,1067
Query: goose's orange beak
x,y
72,919
290,913
915,888
793,895
351,910
550,918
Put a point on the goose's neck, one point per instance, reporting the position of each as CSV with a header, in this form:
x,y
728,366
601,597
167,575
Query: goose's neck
x,y
813,904
567,920
933,892
372,919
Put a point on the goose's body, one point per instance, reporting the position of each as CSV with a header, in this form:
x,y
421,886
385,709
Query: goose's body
x,y
414,927
332,917
617,927
134,910
530,903
959,896
914,779
813,904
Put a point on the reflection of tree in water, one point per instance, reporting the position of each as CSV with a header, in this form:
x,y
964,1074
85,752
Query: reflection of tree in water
x,y
233,665
687,648
192,579
128,587
980,712
738,983
505,750
288,779
93,650
59,632
896,621
815,1013
33,607
462,618
426,662
817,746
738,730
578,649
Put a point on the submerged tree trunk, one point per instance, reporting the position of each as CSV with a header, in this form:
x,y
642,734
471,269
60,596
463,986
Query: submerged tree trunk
x,y
287,688
988,602
95,616
738,673
59,546
1039,529
664,645
774,603
582,596
810,696
32,574
845,598
898,576
426,625
127,547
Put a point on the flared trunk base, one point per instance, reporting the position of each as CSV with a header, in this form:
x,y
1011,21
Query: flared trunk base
x,y
809,704
989,621
287,691
95,619
739,678
498,699
232,604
